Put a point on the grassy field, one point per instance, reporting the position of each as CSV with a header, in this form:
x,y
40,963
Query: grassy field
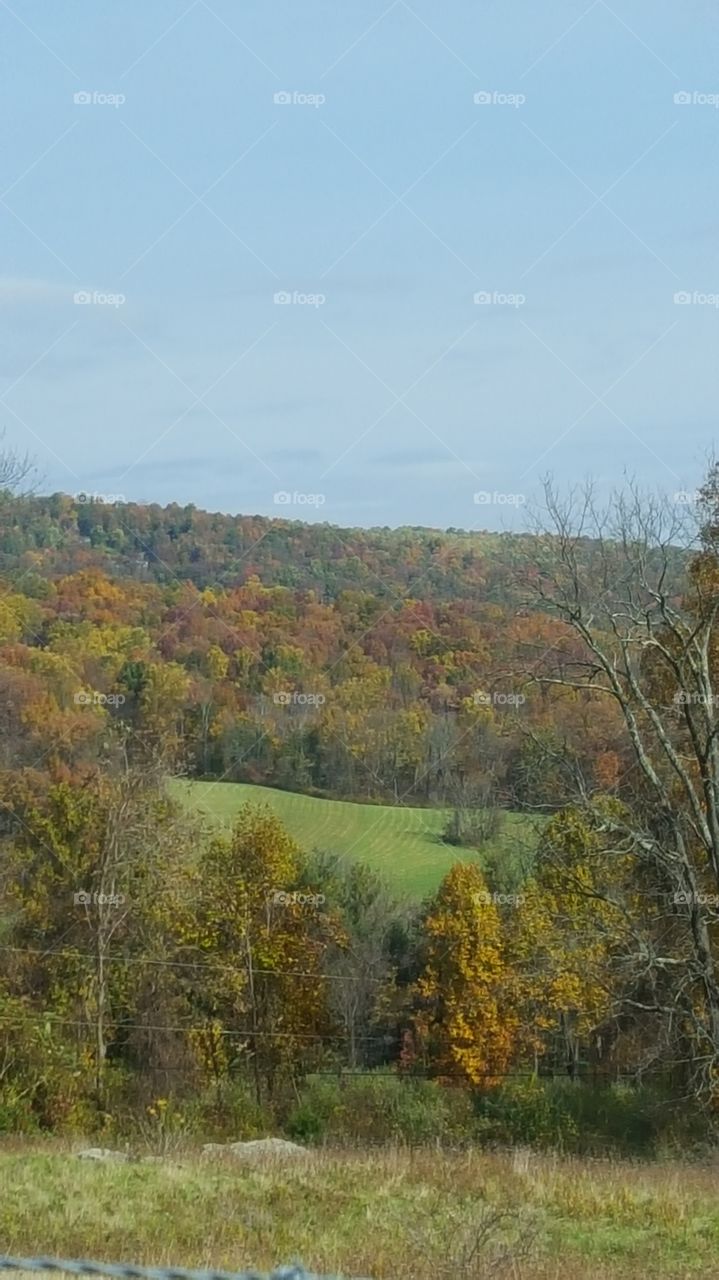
x,y
403,844
397,1215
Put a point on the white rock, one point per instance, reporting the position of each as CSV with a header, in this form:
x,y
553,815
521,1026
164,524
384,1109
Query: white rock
x,y
258,1149
100,1153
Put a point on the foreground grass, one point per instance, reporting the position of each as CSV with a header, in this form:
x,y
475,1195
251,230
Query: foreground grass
x,y
393,1215
403,844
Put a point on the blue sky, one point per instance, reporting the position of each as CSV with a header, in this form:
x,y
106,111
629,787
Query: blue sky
x,y
182,198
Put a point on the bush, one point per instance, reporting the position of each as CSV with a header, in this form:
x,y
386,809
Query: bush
x,y
44,1084
16,1113
228,1111
584,1119
472,828
375,1108
224,1112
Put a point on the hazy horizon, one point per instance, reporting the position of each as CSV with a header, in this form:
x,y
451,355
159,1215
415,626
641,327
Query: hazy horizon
x,y
380,260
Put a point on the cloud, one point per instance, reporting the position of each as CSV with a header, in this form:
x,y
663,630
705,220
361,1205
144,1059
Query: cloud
x,y
181,466
411,458
297,455
18,291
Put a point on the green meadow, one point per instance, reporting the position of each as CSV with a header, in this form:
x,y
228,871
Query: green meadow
x,y
404,845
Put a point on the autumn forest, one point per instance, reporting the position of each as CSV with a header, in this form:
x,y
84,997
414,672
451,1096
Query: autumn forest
x,y
153,968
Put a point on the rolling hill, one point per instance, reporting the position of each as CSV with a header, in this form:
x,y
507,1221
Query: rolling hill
x,y
402,844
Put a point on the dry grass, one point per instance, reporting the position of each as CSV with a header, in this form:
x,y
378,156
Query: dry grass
x,y
384,1214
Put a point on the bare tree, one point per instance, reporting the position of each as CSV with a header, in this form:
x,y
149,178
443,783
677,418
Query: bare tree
x,y
636,584
106,911
15,468
362,964
128,849
475,816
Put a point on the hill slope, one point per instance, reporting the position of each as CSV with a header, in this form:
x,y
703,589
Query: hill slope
x,y
402,844
58,533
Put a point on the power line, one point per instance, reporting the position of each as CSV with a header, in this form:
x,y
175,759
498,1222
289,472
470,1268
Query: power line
x,y
587,1073
584,1074
120,1026
188,964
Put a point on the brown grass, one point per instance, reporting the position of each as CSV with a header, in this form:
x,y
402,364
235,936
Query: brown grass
x,y
394,1214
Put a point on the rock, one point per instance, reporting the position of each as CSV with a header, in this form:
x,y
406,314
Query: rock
x,y
101,1153
278,1148
259,1149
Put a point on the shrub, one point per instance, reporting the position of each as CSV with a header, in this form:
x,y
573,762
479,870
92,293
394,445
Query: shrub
x,y
583,1118
374,1108
228,1111
44,1084
472,828
16,1113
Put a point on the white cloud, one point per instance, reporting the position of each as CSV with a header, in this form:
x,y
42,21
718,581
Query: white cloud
x,y
17,291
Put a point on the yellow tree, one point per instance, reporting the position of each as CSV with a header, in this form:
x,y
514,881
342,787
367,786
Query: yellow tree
x,y
467,1022
568,942
267,940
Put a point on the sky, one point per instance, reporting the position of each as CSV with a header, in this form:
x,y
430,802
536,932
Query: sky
x,y
371,263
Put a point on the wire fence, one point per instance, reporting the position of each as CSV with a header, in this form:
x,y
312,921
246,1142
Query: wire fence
x,y
128,1271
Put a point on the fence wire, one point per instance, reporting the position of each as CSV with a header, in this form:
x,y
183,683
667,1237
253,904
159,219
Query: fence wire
x,y
128,1271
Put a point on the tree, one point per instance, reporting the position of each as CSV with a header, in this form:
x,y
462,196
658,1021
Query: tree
x,y
465,1022
87,870
361,960
267,940
14,467
609,574
475,817
567,944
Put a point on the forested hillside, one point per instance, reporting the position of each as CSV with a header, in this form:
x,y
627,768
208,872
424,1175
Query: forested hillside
x,y
207,549
567,678
353,663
